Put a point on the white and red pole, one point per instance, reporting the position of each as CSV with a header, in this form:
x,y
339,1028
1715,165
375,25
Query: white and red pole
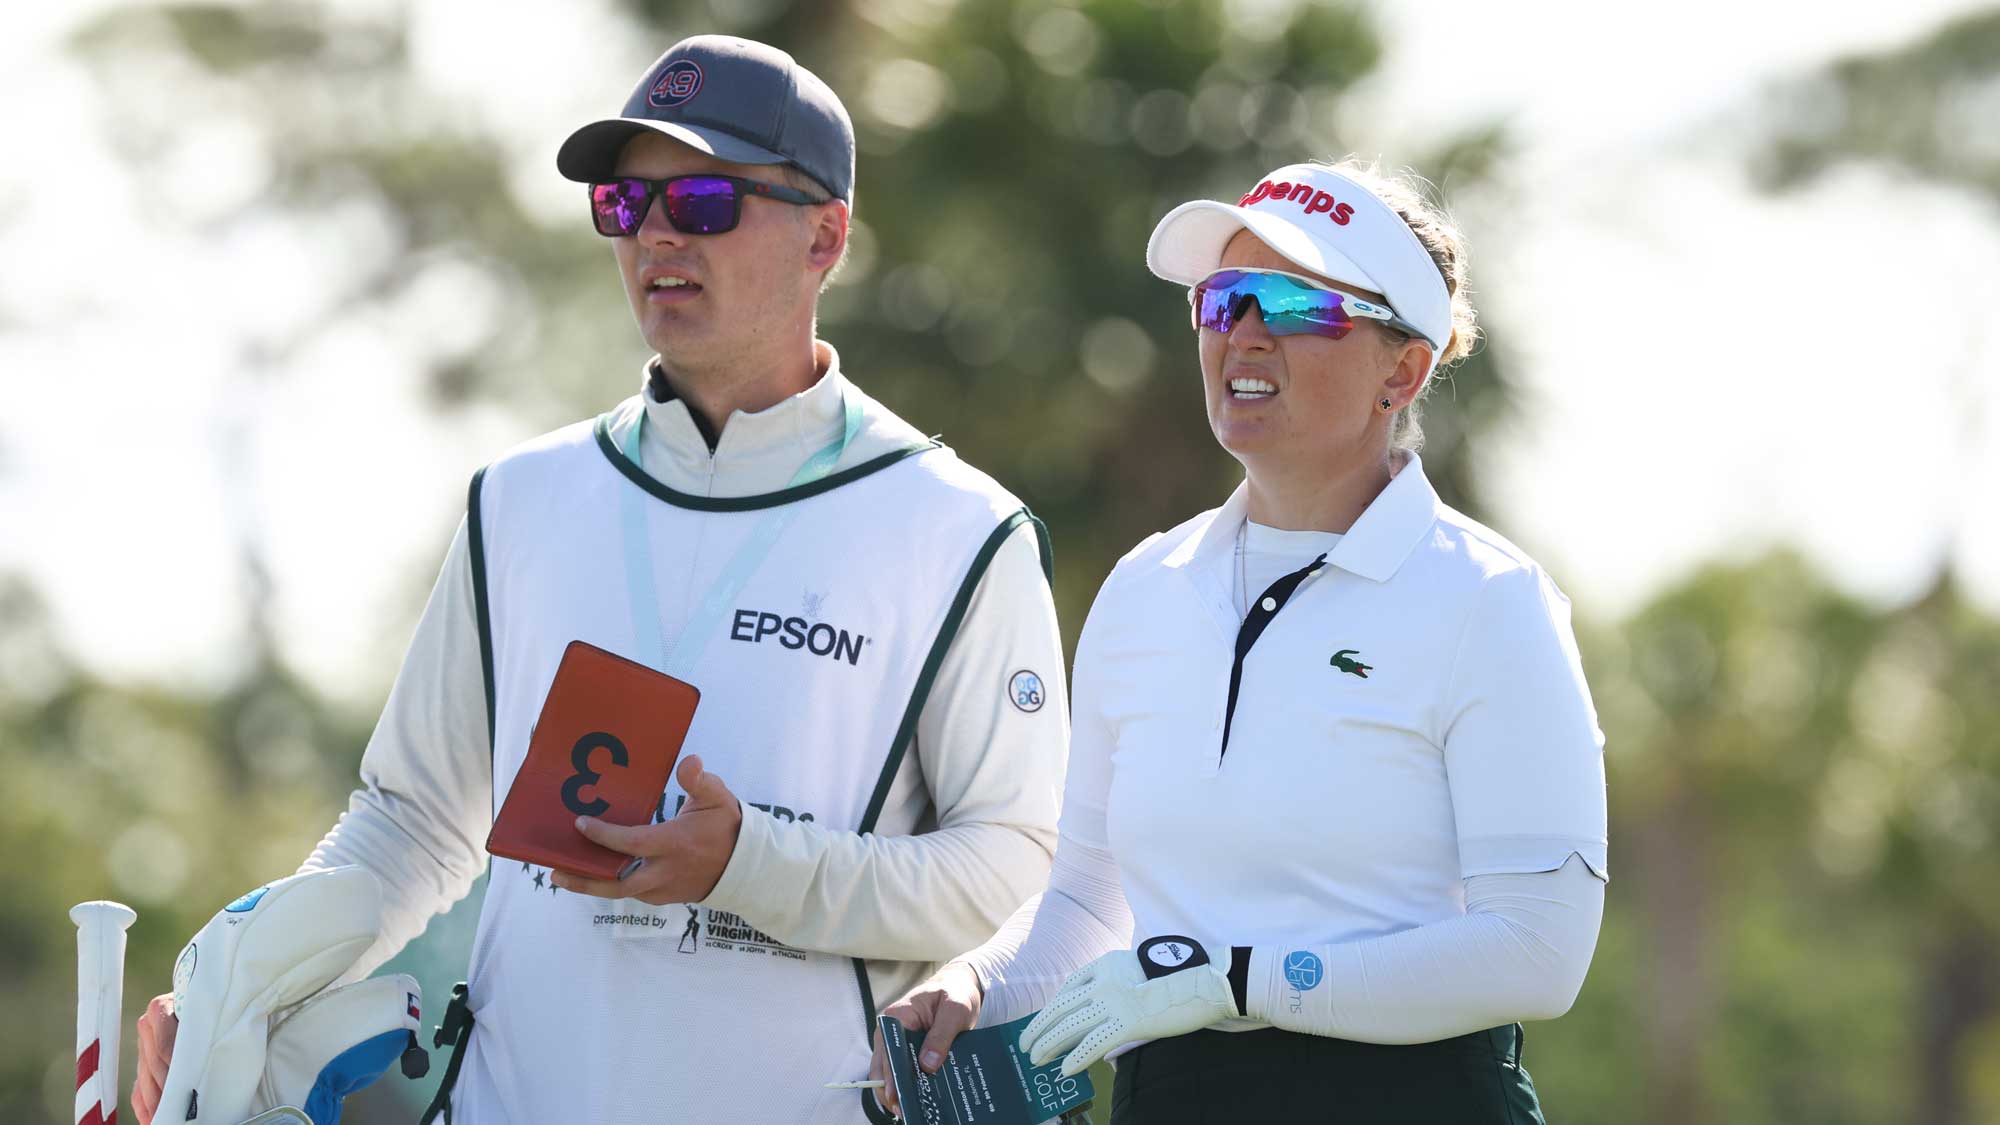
x,y
100,988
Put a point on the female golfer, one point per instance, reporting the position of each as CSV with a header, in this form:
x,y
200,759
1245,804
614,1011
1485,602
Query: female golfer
x,y
1334,820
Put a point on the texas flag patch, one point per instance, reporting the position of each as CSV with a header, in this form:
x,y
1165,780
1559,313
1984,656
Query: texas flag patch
x,y
414,1014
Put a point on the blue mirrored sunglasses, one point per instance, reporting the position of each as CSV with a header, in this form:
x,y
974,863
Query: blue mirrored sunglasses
x,y
1290,304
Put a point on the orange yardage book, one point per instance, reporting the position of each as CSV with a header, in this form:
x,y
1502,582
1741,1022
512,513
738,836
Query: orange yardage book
x,y
604,746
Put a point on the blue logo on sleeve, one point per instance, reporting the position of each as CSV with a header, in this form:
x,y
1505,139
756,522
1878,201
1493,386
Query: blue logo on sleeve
x,y
1303,970
247,901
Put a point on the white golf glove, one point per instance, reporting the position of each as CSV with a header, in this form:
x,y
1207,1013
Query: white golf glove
x,y
1168,987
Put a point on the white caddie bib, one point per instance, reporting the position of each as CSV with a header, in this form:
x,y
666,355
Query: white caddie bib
x,y
601,1011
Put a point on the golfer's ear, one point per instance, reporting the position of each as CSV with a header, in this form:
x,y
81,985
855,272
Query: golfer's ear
x,y
1413,366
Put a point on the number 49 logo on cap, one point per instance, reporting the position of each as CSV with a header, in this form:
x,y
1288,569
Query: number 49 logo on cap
x,y
678,83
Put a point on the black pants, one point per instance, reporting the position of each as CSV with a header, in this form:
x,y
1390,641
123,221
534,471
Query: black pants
x,y
1272,1077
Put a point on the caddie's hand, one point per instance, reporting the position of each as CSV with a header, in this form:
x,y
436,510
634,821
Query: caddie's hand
x,y
1168,987
683,858
157,1026
946,1004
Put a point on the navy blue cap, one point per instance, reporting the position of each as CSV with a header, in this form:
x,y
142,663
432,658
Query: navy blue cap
x,y
735,99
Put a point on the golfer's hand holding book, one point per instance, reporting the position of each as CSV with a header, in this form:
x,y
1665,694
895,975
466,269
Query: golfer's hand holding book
x,y
956,1076
1168,986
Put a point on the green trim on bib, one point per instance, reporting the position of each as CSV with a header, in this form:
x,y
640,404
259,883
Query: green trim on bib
x,y
905,731
475,539
1048,550
874,1114
946,632
681,499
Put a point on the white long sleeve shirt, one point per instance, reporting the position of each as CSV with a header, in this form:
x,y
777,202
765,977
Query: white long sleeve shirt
x,y
968,828
1406,821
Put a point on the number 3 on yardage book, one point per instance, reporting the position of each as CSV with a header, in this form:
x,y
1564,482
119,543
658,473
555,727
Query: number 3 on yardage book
x,y
579,756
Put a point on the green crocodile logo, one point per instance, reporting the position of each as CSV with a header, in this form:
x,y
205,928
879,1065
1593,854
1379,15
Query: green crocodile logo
x,y
1343,661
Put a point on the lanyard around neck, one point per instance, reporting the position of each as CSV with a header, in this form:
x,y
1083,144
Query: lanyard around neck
x,y
642,579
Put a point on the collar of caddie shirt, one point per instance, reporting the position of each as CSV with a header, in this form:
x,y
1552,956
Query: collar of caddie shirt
x,y
756,452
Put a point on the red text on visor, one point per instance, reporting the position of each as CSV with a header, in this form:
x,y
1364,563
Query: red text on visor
x,y
1314,201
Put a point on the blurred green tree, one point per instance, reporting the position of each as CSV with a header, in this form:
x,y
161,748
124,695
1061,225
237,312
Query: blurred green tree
x,y
1013,157
1928,107
1805,791
164,801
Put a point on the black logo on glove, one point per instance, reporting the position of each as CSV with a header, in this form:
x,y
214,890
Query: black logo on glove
x,y
1170,954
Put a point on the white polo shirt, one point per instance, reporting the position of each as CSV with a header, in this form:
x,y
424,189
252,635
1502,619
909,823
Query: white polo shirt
x,y
1414,713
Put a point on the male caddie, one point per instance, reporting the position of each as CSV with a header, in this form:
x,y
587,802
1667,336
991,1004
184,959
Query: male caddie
x,y
882,726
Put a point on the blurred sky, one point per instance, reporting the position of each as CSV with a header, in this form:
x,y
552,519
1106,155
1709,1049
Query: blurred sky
x,y
1711,370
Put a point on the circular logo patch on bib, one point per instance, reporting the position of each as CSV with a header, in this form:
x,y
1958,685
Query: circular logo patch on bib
x,y
1025,690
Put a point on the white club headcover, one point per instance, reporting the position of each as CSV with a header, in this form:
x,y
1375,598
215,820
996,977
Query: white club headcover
x,y
338,1042
266,951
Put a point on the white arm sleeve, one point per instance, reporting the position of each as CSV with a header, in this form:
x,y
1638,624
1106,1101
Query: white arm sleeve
x,y
1083,914
993,771
418,822
1519,952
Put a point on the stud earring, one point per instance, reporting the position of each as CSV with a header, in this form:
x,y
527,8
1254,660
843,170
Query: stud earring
x,y
1386,405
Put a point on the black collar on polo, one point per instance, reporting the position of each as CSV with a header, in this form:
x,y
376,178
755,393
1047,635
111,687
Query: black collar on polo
x,y
1262,611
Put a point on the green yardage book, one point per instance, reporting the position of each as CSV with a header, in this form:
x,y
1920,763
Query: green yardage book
x,y
985,1080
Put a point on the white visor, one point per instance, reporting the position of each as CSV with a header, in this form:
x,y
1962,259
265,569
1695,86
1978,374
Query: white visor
x,y
1322,222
